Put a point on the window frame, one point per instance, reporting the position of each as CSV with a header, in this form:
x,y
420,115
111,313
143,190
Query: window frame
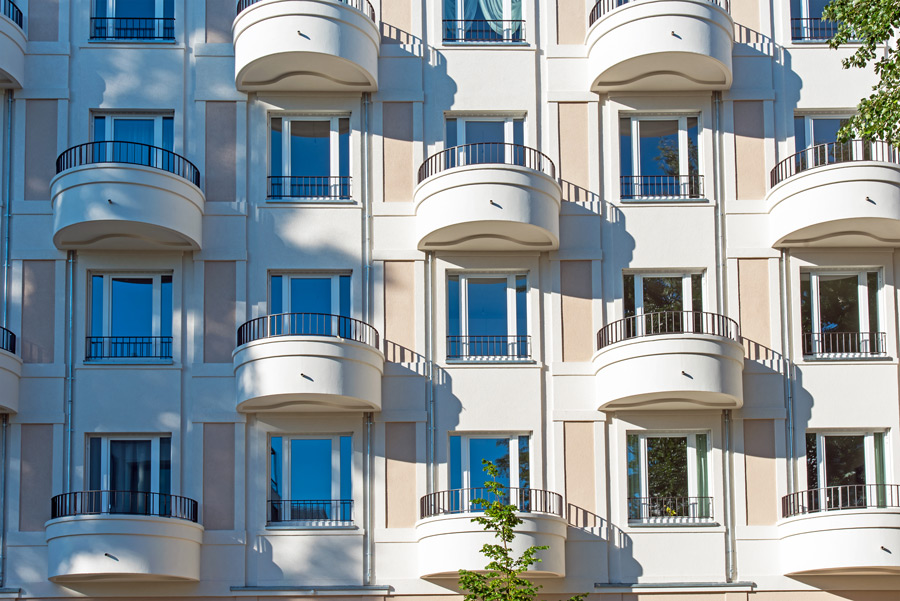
x,y
512,321
509,127
684,169
159,133
105,459
465,456
821,498
337,299
334,155
159,13
509,36
863,316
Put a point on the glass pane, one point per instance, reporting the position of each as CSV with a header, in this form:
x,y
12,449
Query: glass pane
x,y
667,469
346,469
628,294
524,463
625,164
693,134
165,465
702,469
805,304
168,135
94,468
100,8
845,460
658,147
169,9
521,317
276,483
453,305
872,288
311,149
311,295
697,291
632,453
131,311
495,450
799,132
812,462
165,311
815,12
451,133
275,142
344,147
488,325
344,300
519,132
311,472
129,465
133,130
838,303
135,9
97,305
662,294
484,131
824,131
455,463
275,293
879,457
99,129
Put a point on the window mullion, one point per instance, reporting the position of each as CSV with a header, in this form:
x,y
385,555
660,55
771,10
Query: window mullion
x,y
466,480
869,445
683,159
636,147
286,484
286,148
463,306
334,149
510,308
863,303
644,471
154,465
336,469
816,302
461,123
156,306
107,306
104,463
692,465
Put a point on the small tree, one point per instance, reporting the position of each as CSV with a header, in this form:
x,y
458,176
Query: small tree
x,y
502,579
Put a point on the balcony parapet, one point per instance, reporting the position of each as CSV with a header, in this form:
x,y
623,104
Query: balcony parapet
x,y
10,372
12,45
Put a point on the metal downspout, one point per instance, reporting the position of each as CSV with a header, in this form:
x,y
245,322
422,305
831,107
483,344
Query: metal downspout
x,y
730,571
70,372
784,266
367,214
369,513
721,297
7,204
3,434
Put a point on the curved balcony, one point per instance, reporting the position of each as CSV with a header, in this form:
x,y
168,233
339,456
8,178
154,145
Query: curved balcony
x,y
670,359
837,194
126,536
306,46
841,530
10,372
307,362
660,45
488,196
12,46
450,541
128,196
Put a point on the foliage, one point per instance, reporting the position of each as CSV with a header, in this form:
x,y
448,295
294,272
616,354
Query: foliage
x,y
872,24
502,580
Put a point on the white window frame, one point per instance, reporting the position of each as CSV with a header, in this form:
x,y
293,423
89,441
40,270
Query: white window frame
x,y
513,450
870,465
862,301
687,296
106,439
461,19
511,318
684,169
334,141
335,278
508,126
109,125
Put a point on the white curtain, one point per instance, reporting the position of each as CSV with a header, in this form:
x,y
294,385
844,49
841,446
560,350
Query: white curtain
x,y
493,12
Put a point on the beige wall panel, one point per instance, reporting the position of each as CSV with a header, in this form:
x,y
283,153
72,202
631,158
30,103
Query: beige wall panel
x,y
396,22
218,476
399,171
36,485
571,21
574,168
40,148
579,459
577,326
219,312
219,16
221,134
753,287
749,150
38,312
759,465
400,474
399,310
746,14
43,20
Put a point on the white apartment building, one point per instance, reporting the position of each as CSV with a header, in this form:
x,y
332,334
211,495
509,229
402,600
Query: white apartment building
x,y
277,275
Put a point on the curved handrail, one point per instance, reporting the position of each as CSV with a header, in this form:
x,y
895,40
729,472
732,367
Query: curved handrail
x,y
668,322
123,502
13,12
835,498
307,324
461,500
833,153
7,341
366,8
130,153
604,6
483,153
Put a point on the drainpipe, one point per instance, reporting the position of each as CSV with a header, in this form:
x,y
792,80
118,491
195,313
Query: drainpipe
x,y
3,433
783,266
367,214
727,459
7,204
70,372
721,297
429,362
367,492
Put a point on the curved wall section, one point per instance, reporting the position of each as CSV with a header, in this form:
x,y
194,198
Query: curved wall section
x,y
90,548
661,45
12,54
306,45
488,207
10,372
308,373
122,206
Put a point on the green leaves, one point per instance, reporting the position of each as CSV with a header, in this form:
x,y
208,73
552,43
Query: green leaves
x,y
502,577
872,24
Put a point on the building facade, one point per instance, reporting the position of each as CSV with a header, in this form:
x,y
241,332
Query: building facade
x,y
278,275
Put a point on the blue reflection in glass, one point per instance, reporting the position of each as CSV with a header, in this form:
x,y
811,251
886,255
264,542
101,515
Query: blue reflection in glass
x,y
311,469
132,307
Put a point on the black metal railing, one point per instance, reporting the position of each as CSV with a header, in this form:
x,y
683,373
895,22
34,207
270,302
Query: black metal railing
x,y
128,347
844,343
328,510
363,6
604,6
462,500
836,498
309,186
670,508
7,341
131,29
668,322
484,153
130,153
13,12
307,324
817,29
493,347
833,153
128,502
661,186
484,30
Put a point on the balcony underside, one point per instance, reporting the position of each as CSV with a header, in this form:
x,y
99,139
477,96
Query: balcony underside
x,y
665,71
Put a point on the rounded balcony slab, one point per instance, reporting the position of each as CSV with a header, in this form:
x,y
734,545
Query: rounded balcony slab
x,y
129,207
449,543
844,204
841,542
661,45
306,45
488,207
12,54
671,371
308,373
123,548
10,373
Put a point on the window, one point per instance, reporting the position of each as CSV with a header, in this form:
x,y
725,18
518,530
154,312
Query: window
x,y
840,314
807,23
668,477
130,474
309,158
509,453
133,20
484,140
310,304
659,157
480,21
135,139
310,479
130,317
487,317
662,303
845,470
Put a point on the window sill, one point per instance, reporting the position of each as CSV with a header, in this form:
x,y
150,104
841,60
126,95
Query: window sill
x,y
673,523
486,44
312,525
490,361
663,200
